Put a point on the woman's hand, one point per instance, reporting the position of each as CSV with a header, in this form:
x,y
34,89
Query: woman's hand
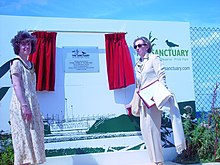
x,y
26,113
128,108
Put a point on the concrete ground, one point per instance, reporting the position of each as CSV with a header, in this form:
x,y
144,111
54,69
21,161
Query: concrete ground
x,y
172,163
116,158
59,161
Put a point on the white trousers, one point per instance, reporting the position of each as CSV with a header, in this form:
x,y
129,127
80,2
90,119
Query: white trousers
x,y
150,123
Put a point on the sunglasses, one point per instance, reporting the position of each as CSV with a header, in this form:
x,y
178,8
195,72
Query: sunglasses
x,y
139,46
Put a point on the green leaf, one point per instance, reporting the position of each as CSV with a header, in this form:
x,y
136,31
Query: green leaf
x,y
150,36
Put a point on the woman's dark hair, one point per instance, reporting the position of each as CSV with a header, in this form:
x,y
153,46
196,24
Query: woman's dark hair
x,y
23,36
146,41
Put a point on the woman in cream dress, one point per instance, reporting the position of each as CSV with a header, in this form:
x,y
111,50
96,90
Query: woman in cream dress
x,y
26,121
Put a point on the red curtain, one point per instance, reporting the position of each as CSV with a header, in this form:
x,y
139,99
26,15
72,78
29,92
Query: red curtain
x,y
119,64
44,60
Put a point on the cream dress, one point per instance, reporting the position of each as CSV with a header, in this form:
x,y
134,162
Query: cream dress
x,y
27,137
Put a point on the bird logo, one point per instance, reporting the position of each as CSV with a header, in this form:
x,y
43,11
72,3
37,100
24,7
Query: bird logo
x,y
171,44
77,53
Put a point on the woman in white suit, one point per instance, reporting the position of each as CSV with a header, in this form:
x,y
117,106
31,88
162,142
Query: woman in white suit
x,y
148,69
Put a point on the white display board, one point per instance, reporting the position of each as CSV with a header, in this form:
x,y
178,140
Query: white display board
x,y
81,99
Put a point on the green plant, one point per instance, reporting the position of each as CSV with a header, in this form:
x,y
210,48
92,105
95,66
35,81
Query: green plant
x,y
202,135
214,123
6,149
151,39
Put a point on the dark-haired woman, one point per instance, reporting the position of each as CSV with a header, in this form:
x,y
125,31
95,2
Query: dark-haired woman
x,y
26,120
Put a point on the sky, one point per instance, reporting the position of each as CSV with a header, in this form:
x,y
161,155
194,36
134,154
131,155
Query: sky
x,y
199,13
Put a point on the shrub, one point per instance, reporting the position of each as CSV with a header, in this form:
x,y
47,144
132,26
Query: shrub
x,y
202,135
6,149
